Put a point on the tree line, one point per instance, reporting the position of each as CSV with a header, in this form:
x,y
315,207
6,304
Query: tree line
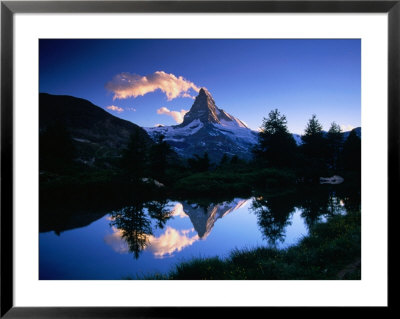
x,y
319,153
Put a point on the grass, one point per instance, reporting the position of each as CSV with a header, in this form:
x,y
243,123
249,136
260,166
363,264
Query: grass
x,y
329,248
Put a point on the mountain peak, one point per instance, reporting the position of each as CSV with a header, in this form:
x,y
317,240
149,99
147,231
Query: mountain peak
x,y
205,98
203,108
203,91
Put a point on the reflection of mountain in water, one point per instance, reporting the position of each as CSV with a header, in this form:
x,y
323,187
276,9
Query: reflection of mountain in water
x,y
204,218
171,240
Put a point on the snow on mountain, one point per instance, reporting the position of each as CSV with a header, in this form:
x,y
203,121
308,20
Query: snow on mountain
x,y
173,132
357,130
297,138
206,128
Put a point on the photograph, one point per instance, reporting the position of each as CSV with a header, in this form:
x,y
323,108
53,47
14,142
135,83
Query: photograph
x,y
199,159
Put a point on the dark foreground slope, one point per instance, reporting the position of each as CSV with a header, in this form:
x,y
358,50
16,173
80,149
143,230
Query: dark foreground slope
x,y
97,136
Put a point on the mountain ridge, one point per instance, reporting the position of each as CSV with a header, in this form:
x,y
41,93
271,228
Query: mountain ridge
x,y
96,134
205,128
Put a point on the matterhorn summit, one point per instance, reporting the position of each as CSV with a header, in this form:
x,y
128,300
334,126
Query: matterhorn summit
x,y
205,110
207,128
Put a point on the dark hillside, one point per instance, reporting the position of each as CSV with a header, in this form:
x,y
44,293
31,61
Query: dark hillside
x,y
97,135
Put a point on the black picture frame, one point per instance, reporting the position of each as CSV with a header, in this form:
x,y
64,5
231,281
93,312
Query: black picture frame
x,y
9,8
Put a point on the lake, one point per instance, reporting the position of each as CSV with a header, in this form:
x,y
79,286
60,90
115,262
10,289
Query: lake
x,y
150,237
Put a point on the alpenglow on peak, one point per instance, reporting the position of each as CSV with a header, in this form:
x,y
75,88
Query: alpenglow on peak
x,y
205,110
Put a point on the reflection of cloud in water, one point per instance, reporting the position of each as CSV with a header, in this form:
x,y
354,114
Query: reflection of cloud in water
x,y
116,242
178,211
170,241
173,240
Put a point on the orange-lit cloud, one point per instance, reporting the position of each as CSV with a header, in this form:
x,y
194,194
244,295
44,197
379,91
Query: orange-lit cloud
x,y
116,242
115,108
177,116
171,241
178,211
125,85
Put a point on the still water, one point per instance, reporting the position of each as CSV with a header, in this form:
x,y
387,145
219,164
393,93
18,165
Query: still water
x,y
151,237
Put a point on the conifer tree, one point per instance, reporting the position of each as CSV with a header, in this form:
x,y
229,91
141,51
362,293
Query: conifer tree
x,y
314,147
134,156
351,154
158,158
276,146
334,145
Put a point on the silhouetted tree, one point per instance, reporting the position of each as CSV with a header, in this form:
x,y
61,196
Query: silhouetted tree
x,y
199,164
224,160
351,154
234,160
334,145
56,149
314,148
276,146
134,156
158,158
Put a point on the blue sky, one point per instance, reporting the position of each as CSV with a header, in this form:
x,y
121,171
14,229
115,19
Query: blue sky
x,y
151,82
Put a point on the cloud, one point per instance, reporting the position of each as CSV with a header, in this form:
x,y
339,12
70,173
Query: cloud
x,y
125,85
115,108
177,116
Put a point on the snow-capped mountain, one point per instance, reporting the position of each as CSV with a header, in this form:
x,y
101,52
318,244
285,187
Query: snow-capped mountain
x,y
357,130
207,128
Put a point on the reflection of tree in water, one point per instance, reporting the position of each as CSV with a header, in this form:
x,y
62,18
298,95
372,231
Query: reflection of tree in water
x,y
335,205
273,214
351,197
135,224
324,201
314,204
135,227
159,212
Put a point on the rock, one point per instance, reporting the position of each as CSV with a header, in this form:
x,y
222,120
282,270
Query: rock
x,y
153,181
331,180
